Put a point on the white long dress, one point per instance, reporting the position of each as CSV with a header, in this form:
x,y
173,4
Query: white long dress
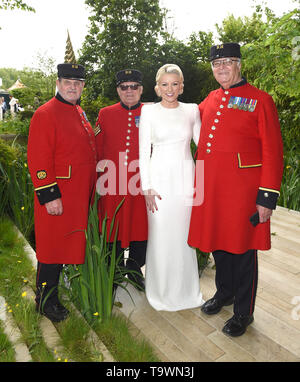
x,y
166,165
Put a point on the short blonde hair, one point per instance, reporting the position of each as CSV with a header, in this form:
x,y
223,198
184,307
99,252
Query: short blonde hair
x,y
168,69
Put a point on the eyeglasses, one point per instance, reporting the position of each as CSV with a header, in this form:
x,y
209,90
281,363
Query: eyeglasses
x,y
225,62
132,87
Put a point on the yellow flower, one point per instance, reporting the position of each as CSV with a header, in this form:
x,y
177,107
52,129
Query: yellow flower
x,y
96,314
288,166
10,311
19,261
25,281
59,359
24,294
25,164
66,360
22,208
44,284
17,305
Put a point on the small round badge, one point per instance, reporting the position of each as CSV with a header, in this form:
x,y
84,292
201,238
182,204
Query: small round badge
x,y
41,174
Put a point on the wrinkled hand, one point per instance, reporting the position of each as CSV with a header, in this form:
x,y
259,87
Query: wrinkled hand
x,y
150,196
264,213
54,207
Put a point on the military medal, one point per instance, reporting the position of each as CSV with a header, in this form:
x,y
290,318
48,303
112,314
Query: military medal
x,y
236,102
252,105
85,116
241,105
230,103
137,121
247,103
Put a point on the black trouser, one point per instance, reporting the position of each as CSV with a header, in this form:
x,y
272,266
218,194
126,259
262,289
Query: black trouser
x,y
47,279
236,276
137,255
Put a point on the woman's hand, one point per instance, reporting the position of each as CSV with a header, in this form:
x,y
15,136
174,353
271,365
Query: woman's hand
x,y
150,196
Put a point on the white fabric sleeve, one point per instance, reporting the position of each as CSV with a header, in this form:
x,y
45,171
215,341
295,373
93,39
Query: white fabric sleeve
x,y
197,124
145,148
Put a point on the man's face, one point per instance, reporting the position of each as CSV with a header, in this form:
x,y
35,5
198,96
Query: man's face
x,y
129,96
70,90
227,71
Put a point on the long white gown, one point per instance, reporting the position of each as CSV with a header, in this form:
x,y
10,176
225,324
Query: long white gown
x,y
166,165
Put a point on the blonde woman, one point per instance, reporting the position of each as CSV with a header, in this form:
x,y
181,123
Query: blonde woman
x,y
167,177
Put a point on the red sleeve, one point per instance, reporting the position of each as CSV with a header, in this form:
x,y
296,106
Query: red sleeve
x,y
272,153
40,155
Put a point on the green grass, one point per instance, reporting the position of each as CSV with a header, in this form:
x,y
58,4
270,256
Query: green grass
x,y
16,272
124,346
7,353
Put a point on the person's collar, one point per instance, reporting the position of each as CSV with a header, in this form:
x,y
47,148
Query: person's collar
x,y
240,83
61,99
132,107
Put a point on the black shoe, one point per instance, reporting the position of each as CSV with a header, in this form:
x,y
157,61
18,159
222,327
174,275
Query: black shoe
x,y
62,308
237,325
54,312
213,305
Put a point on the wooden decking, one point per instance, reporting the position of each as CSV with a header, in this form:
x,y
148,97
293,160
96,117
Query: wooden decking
x,y
191,336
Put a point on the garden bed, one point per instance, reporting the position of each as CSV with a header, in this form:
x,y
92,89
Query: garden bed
x,y
71,340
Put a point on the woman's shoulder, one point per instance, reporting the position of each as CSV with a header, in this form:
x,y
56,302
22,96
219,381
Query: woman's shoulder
x,y
149,105
148,108
189,107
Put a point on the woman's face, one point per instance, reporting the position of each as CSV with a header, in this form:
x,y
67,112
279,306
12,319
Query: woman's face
x,y
169,88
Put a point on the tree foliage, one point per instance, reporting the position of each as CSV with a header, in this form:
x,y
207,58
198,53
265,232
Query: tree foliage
x,y
13,4
123,33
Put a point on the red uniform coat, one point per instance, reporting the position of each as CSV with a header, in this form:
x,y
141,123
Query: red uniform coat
x,y
117,142
62,163
241,147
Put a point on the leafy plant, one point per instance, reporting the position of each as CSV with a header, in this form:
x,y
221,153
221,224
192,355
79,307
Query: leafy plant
x,y
93,283
16,191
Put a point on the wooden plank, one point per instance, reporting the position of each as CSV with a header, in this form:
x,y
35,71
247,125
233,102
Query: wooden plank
x,y
280,332
285,233
286,223
278,308
288,282
158,337
203,326
152,332
255,342
193,353
192,332
282,260
233,352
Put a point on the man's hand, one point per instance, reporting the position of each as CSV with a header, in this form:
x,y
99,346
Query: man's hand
x,y
264,213
54,207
